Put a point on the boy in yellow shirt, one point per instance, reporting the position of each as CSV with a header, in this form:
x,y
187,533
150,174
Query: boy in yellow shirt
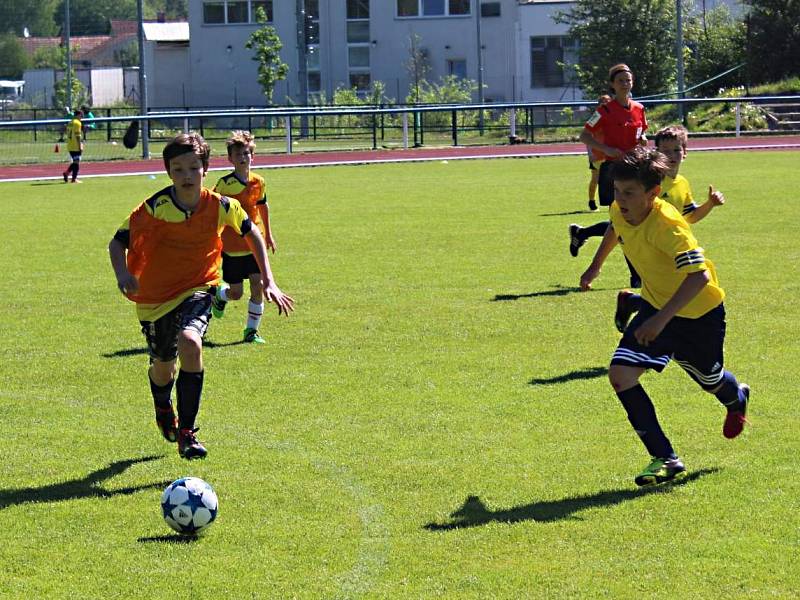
x,y
74,146
238,262
681,317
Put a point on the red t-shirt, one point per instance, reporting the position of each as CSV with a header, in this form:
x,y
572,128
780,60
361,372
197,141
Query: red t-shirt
x,y
617,126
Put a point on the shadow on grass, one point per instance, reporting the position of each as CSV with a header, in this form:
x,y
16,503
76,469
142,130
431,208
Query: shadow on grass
x,y
48,182
570,212
86,487
169,539
474,512
591,373
559,291
140,351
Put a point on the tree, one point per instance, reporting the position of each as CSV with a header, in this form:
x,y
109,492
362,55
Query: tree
x,y
37,17
13,60
93,17
773,39
267,46
715,42
418,66
640,33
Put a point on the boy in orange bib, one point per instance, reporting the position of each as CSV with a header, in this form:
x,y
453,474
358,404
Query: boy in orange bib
x,y
166,258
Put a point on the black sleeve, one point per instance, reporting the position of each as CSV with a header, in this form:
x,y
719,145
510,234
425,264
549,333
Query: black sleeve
x,y
123,236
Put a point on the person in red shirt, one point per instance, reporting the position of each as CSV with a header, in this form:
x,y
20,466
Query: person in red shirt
x,y
614,129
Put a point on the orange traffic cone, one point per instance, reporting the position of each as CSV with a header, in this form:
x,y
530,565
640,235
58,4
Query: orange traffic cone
x,y
56,149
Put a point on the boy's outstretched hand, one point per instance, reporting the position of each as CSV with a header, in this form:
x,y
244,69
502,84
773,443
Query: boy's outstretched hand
x,y
285,303
589,275
715,197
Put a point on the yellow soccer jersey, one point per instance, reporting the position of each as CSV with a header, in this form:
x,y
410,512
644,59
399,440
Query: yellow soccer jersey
x,y
678,192
163,206
251,195
663,251
74,135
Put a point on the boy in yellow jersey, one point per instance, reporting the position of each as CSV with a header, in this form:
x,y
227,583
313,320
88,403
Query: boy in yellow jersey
x,y
166,259
681,317
238,262
671,142
74,146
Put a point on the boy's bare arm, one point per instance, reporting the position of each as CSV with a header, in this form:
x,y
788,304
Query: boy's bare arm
x,y
607,244
688,289
715,198
587,138
269,241
271,291
127,283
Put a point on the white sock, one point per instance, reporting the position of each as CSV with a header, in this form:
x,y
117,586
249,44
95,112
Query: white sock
x,y
254,312
222,293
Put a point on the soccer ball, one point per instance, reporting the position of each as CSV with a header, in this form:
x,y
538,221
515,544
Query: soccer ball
x,y
189,505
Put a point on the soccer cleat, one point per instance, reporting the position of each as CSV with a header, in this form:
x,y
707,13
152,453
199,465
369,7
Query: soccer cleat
x,y
167,423
251,336
574,241
660,470
592,205
188,446
624,311
217,306
735,419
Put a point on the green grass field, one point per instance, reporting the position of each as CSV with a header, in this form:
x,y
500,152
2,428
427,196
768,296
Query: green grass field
x,y
433,421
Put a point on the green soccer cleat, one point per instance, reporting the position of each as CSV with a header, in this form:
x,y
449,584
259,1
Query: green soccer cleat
x,y
217,307
251,336
661,470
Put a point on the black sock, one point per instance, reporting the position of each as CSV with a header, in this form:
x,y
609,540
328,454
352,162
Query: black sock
x,y
729,393
642,415
189,390
161,393
596,230
74,168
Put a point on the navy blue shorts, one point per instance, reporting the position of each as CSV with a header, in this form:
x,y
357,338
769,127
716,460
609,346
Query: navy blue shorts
x,y
75,156
695,344
162,334
236,269
605,184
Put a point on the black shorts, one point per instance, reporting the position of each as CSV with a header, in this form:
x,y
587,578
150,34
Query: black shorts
x,y
695,344
236,269
162,334
75,156
605,184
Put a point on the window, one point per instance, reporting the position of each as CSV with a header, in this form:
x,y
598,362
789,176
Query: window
x,y
432,8
549,59
237,12
360,81
457,68
214,12
234,11
358,9
358,57
357,32
490,9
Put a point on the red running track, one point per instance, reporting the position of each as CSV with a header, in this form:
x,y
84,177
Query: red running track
x,y
154,165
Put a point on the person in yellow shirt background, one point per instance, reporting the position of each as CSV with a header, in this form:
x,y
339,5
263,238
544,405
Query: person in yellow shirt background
x,y
74,136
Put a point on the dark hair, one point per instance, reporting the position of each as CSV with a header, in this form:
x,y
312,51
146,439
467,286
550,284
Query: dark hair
x,y
184,143
673,132
617,69
645,165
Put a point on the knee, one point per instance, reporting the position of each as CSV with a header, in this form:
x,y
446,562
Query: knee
x,y
234,293
622,378
161,373
190,347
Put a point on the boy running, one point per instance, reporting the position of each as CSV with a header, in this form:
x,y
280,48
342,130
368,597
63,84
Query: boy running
x,y
238,261
671,142
166,259
682,316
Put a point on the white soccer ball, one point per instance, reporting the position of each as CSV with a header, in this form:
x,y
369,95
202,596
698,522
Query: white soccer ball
x,y
189,505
